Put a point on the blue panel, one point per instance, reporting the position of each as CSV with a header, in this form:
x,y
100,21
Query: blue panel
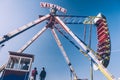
x,y
15,75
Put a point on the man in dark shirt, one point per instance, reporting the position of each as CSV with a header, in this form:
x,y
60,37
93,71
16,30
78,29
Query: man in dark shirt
x,y
25,67
42,74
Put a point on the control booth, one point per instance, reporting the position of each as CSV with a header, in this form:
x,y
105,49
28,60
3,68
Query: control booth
x,y
18,66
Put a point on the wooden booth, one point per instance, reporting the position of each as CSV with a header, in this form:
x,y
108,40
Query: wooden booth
x,y
18,66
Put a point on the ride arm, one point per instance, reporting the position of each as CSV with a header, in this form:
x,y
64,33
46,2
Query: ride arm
x,y
87,50
22,29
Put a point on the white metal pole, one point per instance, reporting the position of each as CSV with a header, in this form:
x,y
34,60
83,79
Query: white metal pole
x,y
32,40
64,53
23,28
91,63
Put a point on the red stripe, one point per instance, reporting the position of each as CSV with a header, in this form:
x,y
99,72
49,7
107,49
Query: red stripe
x,y
102,33
102,28
104,36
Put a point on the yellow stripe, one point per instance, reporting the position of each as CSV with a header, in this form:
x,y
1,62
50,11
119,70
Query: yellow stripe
x,y
107,75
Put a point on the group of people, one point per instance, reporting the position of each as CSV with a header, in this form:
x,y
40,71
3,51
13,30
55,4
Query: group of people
x,y
34,73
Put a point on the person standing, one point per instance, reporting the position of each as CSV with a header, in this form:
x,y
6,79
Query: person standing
x,y
42,74
34,73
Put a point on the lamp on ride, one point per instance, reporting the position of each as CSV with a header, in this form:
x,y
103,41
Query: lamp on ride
x,y
53,10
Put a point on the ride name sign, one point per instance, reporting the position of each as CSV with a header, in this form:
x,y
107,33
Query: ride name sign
x,y
49,5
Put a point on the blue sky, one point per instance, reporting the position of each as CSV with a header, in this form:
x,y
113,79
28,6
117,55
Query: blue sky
x,y
15,13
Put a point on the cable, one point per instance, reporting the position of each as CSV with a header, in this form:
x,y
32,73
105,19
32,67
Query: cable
x,y
68,38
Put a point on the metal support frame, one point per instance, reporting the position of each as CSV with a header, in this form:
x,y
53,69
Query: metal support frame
x,y
87,50
64,54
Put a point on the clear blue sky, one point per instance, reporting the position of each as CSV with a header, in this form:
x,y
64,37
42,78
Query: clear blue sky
x,y
15,13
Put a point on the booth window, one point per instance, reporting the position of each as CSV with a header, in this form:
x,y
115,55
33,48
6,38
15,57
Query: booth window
x,y
18,63
24,63
13,62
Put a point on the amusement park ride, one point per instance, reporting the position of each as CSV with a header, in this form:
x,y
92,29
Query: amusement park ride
x,y
15,65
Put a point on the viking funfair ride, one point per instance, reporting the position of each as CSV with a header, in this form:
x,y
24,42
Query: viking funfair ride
x,y
99,58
